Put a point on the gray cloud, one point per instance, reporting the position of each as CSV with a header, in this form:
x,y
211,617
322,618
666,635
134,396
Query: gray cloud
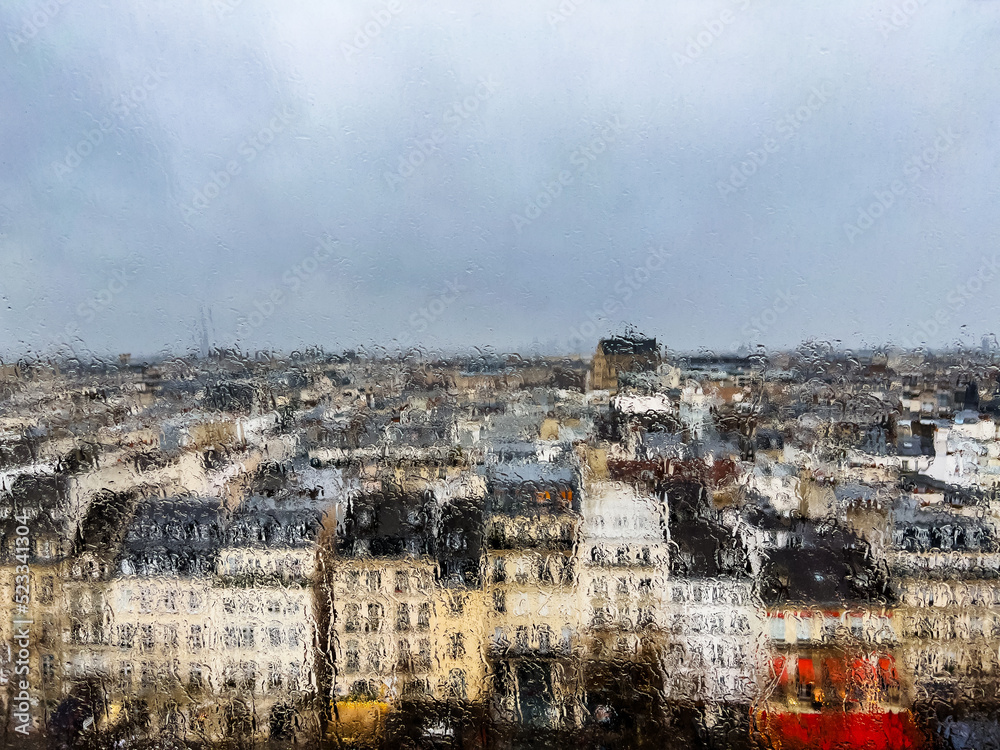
x,y
225,71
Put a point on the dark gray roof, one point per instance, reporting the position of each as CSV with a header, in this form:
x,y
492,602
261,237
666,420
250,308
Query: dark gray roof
x,y
255,524
174,536
625,345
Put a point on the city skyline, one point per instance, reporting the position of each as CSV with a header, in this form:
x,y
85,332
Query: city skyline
x,y
632,550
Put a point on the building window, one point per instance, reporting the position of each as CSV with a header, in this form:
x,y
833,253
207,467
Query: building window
x,y
830,625
566,640
601,587
544,638
778,628
248,674
352,657
374,617
376,655
48,669
567,571
404,659
803,628
196,639
601,618
498,641
857,626
403,617
521,637
352,618
274,635
229,675
424,616
146,638
402,582
499,570
544,571
424,654
169,637
456,646
274,675
499,601
645,618
806,679
622,556
457,685
239,637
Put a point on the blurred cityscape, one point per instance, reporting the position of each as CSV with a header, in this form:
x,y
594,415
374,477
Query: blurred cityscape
x,y
636,549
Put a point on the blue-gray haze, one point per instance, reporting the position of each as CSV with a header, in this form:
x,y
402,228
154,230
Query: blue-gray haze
x,y
521,174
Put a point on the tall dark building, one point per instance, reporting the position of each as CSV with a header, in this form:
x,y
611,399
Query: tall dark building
x,y
629,353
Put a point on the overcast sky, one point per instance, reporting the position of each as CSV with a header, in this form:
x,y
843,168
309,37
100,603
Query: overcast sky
x,y
524,175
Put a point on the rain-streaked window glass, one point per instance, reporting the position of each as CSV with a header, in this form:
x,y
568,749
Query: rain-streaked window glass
x,y
397,374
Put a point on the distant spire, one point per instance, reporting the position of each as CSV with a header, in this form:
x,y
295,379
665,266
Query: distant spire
x,y
204,348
